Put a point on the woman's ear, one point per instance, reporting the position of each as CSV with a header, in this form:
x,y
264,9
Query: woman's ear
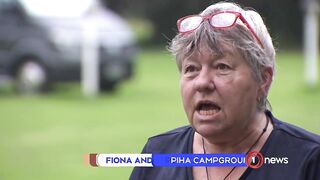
x,y
267,76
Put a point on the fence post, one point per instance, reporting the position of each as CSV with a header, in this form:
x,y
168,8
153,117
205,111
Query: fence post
x,y
90,58
311,44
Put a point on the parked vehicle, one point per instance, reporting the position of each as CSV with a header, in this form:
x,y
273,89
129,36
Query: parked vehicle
x,y
41,43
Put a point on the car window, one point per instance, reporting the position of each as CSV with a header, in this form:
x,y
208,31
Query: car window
x,y
5,2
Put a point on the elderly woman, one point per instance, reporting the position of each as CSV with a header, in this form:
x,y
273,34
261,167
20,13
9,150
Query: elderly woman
x,y
226,61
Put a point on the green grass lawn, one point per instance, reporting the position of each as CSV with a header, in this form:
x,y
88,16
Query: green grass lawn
x,y
45,137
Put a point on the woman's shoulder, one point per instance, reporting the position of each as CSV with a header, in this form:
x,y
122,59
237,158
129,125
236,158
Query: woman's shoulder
x,y
177,140
296,134
290,153
299,145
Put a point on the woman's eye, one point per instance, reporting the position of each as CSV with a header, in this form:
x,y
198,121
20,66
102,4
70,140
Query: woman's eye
x,y
223,67
190,69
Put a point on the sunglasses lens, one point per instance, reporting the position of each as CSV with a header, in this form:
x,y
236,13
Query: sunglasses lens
x,y
189,23
223,20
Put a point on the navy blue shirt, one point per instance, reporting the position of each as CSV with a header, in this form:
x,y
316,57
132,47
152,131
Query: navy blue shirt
x,y
300,146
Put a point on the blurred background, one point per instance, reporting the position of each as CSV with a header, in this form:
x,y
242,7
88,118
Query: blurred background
x,y
91,76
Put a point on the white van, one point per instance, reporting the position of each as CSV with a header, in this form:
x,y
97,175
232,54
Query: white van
x,y
41,42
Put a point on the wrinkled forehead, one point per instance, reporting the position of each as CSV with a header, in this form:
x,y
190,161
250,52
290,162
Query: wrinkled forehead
x,y
215,51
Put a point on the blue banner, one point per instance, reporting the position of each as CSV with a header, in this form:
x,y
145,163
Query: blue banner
x,y
187,160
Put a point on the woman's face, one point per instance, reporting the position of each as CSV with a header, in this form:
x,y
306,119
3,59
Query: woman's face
x,y
219,93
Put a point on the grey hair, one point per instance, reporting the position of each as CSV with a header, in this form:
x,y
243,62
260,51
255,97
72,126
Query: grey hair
x,y
239,37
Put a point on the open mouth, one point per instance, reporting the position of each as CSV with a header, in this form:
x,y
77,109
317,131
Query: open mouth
x,y
207,108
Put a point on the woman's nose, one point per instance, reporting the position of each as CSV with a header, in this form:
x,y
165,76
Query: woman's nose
x,y
204,81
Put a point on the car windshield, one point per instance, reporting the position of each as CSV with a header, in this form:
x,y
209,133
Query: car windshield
x,y
57,8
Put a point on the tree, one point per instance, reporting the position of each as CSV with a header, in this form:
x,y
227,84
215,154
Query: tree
x,y
283,18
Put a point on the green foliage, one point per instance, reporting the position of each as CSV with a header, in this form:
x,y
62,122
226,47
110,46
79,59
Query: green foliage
x,y
142,29
45,137
284,18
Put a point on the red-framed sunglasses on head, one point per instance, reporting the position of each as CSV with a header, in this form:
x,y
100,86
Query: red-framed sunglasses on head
x,y
220,20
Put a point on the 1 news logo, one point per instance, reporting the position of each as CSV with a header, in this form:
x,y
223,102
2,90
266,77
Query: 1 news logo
x,y
255,160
